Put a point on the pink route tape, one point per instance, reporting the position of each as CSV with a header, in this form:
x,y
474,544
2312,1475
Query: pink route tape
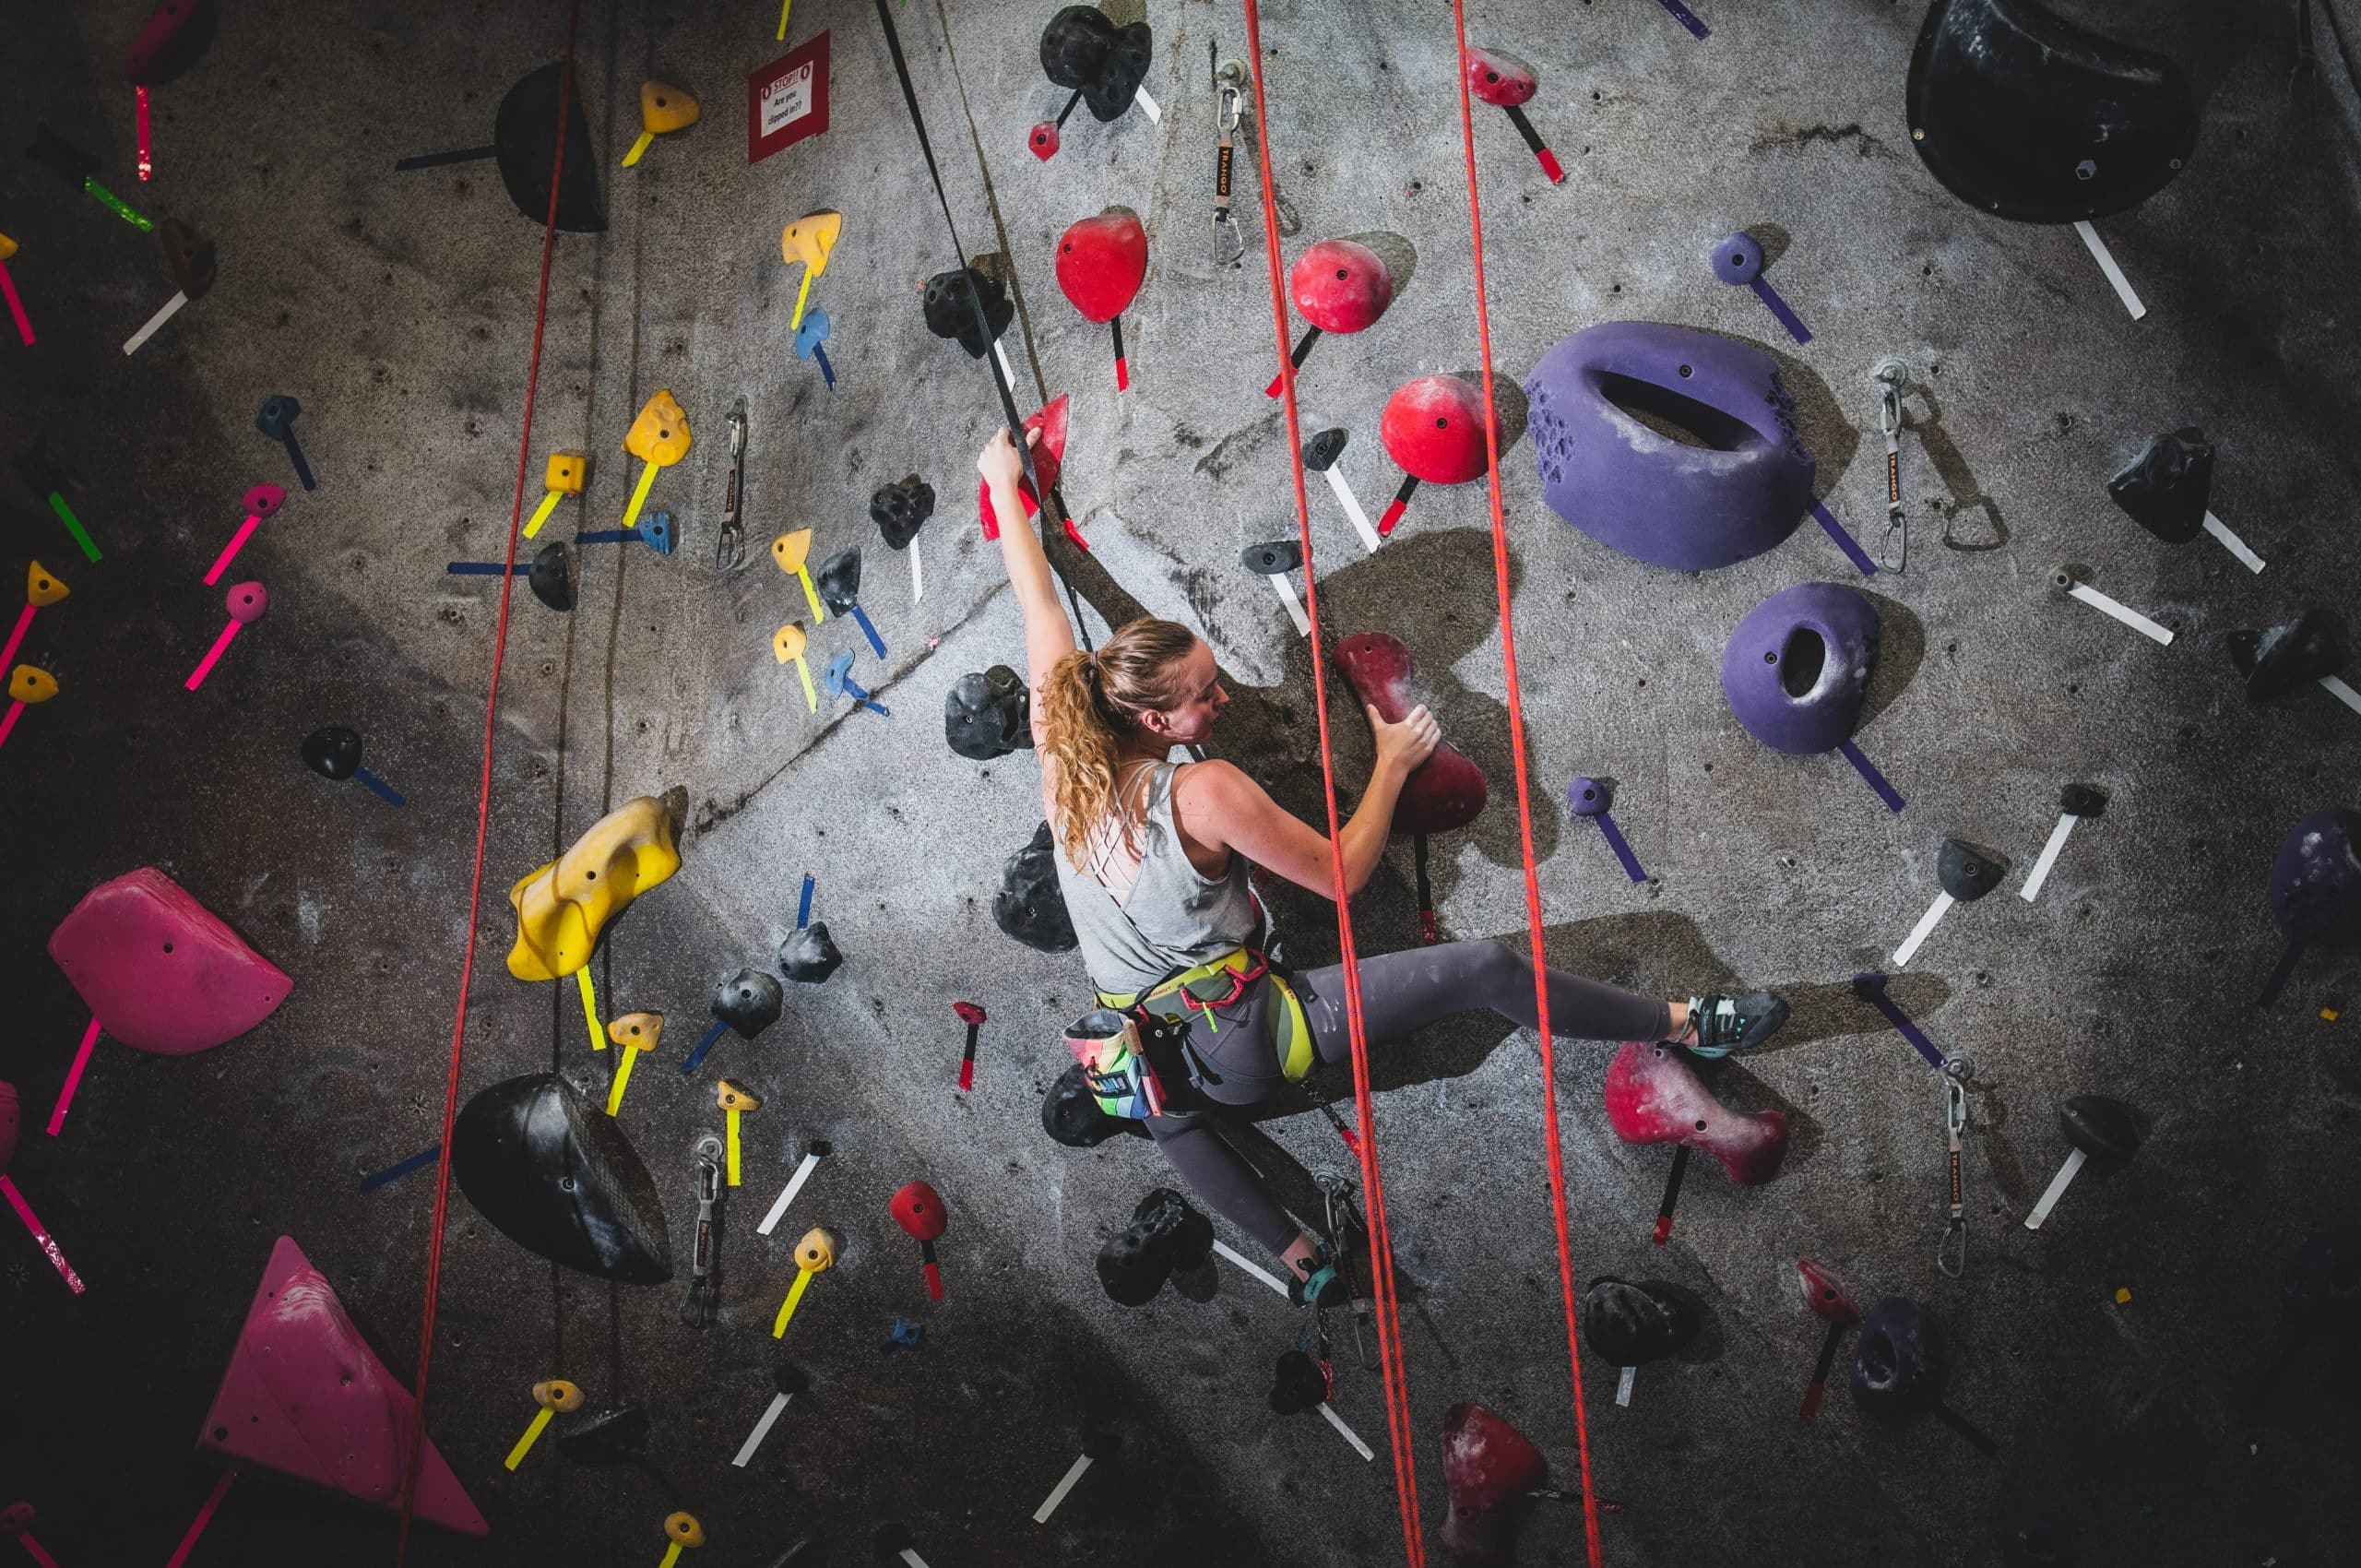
x,y
40,1237
73,1078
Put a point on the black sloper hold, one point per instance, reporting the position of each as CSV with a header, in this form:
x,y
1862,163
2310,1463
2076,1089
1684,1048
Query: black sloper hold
x,y
951,310
1029,905
899,509
1322,451
1165,1234
891,1540
1298,1383
839,580
749,1002
1099,1443
525,136
1082,49
1270,560
2082,799
2166,488
2282,658
1072,1116
560,1179
808,955
333,753
552,576
1967,873
1628,1326
790,1379
607,1439
987,714
2103,1129
1189,1233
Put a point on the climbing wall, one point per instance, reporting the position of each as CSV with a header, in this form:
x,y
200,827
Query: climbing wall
x,y
337,407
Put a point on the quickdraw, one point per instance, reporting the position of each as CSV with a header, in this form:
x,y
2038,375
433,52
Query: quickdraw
x,y
730,546
1956,1070
1891,375
697,1305
1230,245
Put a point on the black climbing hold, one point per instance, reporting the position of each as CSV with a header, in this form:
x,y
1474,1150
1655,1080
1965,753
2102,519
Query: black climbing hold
x,y
552,576
891,1540
790,1379
524,135
2082,799
898,510
560,1179
1099,1442
607,1439
1270,560
1028,904
1298,1383
749,1002
2166,488
1072,1115
1082,49
333,753
839,580
987,714
1629,1324
2282,658
951,299
1967,873
1323,450
1165,1234
808,955
2103,1129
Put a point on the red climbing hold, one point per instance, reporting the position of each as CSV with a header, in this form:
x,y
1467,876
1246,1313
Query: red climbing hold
x,y
1341,286
1048,460
1502,80
1654,1097
1433,430
1486,1465
1448,789
1101,262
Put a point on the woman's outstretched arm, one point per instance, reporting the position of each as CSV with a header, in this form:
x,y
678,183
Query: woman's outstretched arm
x,y
1049,636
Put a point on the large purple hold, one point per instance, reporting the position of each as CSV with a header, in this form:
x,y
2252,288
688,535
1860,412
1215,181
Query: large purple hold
x,y
1796,670
1897,1363
1736,489
2316,880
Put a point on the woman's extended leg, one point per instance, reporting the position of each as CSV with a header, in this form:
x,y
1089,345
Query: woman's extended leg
x,y
1404,992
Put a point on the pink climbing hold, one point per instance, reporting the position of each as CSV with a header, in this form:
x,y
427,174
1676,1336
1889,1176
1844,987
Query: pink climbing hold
x,y
306,1398
159,970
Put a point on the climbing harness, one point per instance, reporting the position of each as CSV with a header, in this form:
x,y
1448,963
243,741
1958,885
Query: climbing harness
x,y
1205,988
1951,1253
697,1303
1893,553
730,547
1230,245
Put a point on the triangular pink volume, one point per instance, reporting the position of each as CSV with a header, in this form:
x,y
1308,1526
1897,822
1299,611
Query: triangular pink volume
x,y
305,1397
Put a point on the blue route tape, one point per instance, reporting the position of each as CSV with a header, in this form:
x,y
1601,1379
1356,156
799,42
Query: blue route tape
x,y
1687,18
1844,540
1871,987
804,904
401,1168
1622,850
1869,770
1780,308
703,1046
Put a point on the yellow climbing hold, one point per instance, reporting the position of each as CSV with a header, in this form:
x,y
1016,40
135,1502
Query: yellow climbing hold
x,y
562,908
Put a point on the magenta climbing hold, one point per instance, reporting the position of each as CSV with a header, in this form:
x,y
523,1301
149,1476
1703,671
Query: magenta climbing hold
x,y
304,1398
159,970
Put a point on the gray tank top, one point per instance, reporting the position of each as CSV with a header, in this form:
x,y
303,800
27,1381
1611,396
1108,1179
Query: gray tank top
x,y
1174,916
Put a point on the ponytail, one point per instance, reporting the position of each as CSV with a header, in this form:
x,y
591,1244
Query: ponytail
x,y
1090,701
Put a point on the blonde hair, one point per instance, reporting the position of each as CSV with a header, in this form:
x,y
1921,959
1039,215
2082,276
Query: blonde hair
x,y
1089,702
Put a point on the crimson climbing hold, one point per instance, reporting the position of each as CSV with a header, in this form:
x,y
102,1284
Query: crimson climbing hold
x,y
1488,1467
917,1208
1826,1295
1447,790
1339,286
1101,263
1796,670
560,1178
950,300
159,971
2022,115
179,32
1049,459
1433,429
1736,489
1502,80
1652,1096
305,1397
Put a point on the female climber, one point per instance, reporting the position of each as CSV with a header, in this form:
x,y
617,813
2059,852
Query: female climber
x,y
1153,857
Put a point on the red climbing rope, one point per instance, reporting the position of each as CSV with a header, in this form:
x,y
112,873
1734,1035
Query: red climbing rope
x,y
1389,1321
1523,794
417,1437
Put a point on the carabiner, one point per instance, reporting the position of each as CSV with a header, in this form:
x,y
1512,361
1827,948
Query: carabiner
x,y
730,545
1229,108
1956,1072
1893,553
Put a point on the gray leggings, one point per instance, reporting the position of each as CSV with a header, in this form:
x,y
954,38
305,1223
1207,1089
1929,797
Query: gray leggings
x,y
1400,992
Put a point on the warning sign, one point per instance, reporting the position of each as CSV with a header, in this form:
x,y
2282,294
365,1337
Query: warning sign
x,y
788,99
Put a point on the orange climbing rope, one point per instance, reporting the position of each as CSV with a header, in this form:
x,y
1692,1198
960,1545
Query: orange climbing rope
x,y
1389,1322
417,1437
1523,793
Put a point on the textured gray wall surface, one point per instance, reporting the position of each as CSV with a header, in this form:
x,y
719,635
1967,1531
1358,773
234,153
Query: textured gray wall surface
x,y
399,309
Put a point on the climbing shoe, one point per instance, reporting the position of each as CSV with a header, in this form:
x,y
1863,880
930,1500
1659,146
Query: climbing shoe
x,y
1719,1025
1326,1286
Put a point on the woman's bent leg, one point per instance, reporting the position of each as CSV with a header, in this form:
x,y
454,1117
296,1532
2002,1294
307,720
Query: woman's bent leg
x,y
1222,1180
1402,993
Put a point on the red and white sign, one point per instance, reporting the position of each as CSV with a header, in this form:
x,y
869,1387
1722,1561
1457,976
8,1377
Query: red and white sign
x,y
788,99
